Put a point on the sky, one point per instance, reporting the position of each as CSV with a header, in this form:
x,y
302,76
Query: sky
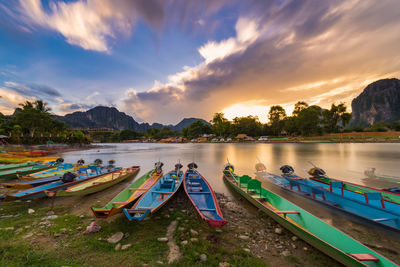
x,y
164,60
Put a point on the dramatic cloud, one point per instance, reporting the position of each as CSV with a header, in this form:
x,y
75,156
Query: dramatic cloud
x,y
32,90
71,107
12,94
283,52
241,56
9,100
91,24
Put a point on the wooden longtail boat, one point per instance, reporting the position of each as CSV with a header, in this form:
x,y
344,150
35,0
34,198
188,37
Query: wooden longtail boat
x,y
97,184
59,170
82,172
29,184
306,226
359,192
156,196
16,165
39,191
202,197
127,197
311,190
33,153
15,159
14,173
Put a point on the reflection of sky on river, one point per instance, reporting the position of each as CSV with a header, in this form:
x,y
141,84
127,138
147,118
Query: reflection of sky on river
x,y
344,161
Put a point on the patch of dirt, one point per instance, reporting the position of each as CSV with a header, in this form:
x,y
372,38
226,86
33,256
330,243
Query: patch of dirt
x,y
252,230
174,253
45,242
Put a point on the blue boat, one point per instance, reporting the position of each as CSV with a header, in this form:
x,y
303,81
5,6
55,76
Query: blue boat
x,y
157,195
67,180
202,197
32,183
89,171
309,189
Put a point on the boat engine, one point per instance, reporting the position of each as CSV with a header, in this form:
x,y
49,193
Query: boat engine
x,y
316,172
59,160
158,167
80,162
229,167
111,163
98,161
192,166
68,177
286,169
178,166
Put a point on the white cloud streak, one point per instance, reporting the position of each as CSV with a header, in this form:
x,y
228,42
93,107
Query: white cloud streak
x,y
90,24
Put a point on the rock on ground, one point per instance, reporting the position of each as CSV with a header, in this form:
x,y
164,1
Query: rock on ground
x,y
115,238
193,232
203,257
126,246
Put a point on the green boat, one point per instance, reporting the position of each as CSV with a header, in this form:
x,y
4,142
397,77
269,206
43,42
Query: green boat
x,y
16,165
127,197
13,173
303,224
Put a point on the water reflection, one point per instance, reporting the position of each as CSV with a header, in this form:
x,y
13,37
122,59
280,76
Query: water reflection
x,y
344,161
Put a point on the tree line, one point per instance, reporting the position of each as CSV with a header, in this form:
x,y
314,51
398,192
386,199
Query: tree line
x,y
33,123
305,121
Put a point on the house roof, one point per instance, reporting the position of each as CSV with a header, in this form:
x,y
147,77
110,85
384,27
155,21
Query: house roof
x,y
241,136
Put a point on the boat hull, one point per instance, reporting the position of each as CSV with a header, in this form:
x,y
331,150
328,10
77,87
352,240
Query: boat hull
x,y
387,196
14,173
40,191
59,170
308,236
203,198
127,197
370,213
93,188
16,166
156,197
30,184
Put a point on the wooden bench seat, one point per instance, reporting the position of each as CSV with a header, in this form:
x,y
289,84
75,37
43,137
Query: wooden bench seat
x,y
365,257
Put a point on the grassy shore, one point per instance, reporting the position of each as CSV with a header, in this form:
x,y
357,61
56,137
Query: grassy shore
x,y
54,237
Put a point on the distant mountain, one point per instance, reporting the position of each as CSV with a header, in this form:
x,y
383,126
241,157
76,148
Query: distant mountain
x,y
186,122
112,118
380,101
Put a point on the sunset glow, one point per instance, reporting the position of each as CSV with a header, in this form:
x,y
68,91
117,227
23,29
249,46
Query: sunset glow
x,y
156,59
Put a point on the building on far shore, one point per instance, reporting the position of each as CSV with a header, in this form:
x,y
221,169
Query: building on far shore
x,y
131,141
173,140
202,139
244,137
95,129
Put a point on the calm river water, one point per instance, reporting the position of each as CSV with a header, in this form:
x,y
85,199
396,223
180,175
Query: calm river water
x,y
343,161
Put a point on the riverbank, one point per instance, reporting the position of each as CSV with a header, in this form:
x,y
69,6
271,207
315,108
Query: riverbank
x,y
33,233
51,232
